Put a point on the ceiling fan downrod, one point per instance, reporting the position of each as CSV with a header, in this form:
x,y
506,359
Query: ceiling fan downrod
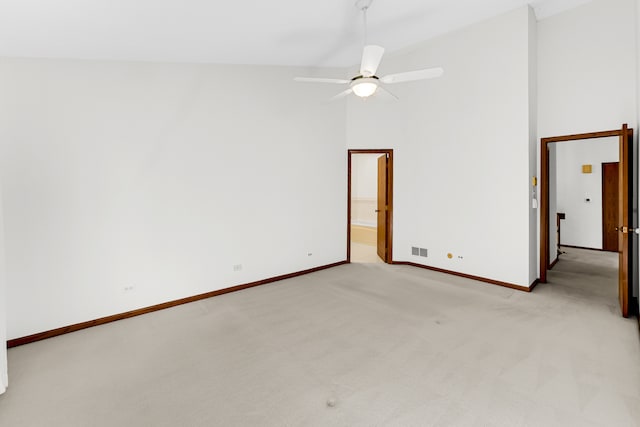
x,y
364,5
366,83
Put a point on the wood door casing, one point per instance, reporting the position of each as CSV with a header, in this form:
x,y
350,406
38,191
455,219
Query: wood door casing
x,y
625,136
381,208
389,198
610,206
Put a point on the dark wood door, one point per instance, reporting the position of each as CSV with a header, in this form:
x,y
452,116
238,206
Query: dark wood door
x,y
610,206
626,138
382,208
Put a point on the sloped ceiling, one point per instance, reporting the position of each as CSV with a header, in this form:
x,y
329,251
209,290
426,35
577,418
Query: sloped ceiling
x,y
276,32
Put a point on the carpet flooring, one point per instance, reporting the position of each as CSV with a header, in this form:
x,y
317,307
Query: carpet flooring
x,y
356,345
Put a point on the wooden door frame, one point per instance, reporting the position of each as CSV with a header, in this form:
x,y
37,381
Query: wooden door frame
x,y
544,183
389,236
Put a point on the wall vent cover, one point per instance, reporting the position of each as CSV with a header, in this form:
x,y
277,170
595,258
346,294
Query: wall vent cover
x,y
418,251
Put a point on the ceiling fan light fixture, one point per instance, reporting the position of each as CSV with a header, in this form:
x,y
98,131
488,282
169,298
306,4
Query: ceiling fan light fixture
x,y
364,87
366,83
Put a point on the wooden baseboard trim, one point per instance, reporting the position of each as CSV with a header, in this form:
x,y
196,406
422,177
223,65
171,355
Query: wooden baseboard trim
x,y
533,285
469,276
553,264
108,319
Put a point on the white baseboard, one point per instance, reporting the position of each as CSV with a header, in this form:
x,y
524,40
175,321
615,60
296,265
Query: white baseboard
x,y
365,224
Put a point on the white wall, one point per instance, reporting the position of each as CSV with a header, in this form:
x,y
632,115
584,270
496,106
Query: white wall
x,y
534,265
364,189
4,377
587,69
161,177
461,149
583,223
364,175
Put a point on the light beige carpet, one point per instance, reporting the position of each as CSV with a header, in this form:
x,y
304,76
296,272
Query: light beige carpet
x,y
356,345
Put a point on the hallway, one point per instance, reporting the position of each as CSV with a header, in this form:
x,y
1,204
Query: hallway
x,y
587,275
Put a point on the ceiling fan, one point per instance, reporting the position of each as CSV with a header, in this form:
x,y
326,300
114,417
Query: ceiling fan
x,y
367,83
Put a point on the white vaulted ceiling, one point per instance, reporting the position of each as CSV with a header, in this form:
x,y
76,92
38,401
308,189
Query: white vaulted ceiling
x,y
277,32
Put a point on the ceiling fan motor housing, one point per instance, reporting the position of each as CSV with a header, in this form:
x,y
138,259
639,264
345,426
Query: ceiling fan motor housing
x,y
364,86
366,83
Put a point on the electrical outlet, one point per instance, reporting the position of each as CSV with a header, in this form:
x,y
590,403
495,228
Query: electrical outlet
x,y
237,267
128,288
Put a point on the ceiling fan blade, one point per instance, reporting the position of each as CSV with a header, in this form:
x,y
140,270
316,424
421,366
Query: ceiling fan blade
x,y
320,80
427,73
342,94
384,92
371,57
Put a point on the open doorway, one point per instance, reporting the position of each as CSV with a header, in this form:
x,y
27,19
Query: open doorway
x,y
583,195
370,206
551,218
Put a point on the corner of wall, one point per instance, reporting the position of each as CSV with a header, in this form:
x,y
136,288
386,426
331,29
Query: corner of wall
x,y
533,144
4,376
